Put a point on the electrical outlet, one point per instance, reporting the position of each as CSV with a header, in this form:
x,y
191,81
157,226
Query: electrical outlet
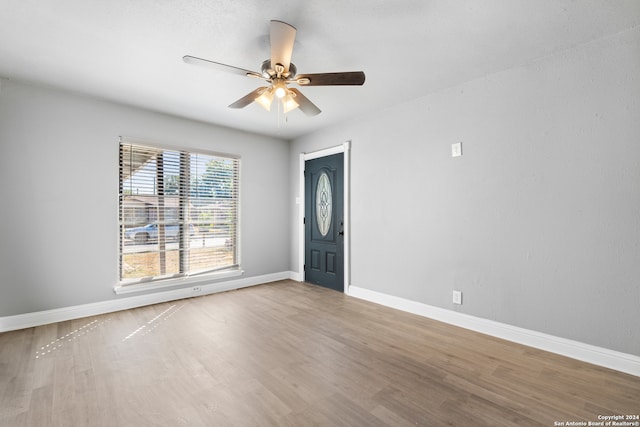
x,y
457,297
196,289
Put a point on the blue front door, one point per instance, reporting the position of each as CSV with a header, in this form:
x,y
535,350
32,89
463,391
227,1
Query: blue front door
x,y
324,220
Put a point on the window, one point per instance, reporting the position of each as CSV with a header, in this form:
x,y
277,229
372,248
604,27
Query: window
x,y
178,213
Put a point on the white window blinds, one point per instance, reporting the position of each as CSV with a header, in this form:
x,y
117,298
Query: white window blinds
x,y
178,212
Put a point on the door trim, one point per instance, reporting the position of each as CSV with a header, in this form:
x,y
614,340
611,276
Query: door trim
x,y
346,149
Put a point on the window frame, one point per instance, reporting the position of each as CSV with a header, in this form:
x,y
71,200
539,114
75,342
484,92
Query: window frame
x,y
127,285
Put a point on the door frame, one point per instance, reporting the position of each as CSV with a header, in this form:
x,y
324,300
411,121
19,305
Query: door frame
x,y
346,149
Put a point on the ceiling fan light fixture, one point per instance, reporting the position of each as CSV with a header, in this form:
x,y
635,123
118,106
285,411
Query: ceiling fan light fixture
x,y
289,103
265,99
280,88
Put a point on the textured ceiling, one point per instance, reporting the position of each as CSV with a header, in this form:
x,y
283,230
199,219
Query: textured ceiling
x,y
131,51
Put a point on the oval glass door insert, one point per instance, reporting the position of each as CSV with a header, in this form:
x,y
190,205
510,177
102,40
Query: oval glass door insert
x,y
323,204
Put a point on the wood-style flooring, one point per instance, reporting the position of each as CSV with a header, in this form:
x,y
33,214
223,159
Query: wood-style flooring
x,y
291,354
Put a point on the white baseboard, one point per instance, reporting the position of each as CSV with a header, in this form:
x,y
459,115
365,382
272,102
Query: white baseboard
x,y
294,275
28,320
612,359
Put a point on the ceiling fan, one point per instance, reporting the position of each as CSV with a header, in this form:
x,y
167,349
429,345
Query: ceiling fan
x,y
279,72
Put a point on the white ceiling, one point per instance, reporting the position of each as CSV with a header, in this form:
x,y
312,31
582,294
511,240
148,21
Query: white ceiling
x,y
131,51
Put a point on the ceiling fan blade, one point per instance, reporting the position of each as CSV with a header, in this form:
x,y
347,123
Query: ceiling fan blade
x,y
282,37
349,78
220,67
306,106
248,99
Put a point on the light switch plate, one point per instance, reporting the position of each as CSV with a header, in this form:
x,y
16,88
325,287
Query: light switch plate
x,y
457,297
456,149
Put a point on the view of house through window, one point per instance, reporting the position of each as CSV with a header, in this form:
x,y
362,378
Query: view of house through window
x,y
178,212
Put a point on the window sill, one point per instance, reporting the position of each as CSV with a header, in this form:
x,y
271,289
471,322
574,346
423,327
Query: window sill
x,y
175,282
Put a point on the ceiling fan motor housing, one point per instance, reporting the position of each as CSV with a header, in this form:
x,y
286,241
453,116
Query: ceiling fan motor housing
x,y
269,73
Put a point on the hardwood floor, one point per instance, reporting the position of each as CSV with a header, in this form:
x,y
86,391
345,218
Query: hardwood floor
x,y
291,354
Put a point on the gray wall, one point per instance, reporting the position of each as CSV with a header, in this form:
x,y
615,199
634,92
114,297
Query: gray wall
x,y
538,223
59,193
